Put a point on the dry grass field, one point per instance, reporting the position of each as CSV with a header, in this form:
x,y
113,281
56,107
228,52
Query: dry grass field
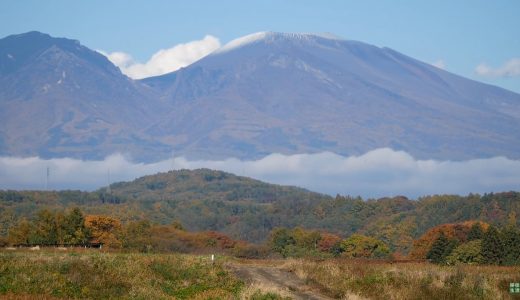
x,y
92,274
351,279
99,275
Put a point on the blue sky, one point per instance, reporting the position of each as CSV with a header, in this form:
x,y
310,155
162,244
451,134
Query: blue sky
x,y
458,35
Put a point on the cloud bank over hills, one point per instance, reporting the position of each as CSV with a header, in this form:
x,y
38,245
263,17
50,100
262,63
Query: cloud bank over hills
x,y
378,173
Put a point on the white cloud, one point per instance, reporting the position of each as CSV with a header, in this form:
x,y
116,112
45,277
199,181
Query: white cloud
x,y
381,172
510,69
441,64
165,60
120,59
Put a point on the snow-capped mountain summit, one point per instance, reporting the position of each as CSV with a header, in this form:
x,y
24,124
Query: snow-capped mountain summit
x,y
272,37
263,93
295,93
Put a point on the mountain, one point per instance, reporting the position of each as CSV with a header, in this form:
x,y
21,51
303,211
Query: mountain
x,y
249,209
260,94
300,93
59,98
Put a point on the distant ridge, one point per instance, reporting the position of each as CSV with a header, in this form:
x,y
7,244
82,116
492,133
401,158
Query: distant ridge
x,y
249,209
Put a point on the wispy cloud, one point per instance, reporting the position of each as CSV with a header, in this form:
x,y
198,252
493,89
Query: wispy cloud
x,y
510,69
382,172
441,64
165,60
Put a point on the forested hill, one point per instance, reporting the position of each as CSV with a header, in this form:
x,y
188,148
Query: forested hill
x,y
248,209
205,184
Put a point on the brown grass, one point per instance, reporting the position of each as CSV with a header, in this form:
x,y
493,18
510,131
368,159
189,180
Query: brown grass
x,y
349,279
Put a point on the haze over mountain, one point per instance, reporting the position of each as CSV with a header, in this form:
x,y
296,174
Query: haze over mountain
x,y
260,94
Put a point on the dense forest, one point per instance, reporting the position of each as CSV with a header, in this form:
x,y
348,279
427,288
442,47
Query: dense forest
x,y
249,210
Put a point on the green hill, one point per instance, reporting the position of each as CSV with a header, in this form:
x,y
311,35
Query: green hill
x,y
248,209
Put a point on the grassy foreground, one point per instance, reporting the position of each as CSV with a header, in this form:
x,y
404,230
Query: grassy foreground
x,y
98,275
348,279
92,274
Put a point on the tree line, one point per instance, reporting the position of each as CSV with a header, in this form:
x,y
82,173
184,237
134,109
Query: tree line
x,y
248,210
50,228
471,242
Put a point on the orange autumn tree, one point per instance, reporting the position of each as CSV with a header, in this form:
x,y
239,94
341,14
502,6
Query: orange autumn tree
x,y
455,231
104,229
328,241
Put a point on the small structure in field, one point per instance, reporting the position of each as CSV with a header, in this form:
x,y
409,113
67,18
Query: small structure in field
x,y
95,245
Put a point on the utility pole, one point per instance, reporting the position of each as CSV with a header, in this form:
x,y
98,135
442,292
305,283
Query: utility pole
x,y
109,191
47,178
173,161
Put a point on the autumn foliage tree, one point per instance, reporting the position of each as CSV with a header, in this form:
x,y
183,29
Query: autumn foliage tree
x,y
482,244
361,246
137,235
468,253
51,228
21,233
328,241
280,240
105,230
459,232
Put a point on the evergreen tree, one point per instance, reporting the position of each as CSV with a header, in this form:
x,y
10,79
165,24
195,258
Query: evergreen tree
x,y
452,245
74,229
492,247
441,249
511,244
438,248
475,232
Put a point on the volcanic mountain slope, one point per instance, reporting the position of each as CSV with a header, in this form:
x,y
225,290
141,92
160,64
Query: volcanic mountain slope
x,y
263,93
59,98
293,93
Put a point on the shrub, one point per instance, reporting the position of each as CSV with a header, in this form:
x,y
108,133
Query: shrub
x,y
250,251
360,246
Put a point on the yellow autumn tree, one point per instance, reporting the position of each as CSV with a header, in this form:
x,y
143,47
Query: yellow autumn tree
x,y
361,246
104,229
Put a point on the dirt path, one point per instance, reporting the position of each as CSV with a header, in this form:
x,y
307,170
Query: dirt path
x,y
278,279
